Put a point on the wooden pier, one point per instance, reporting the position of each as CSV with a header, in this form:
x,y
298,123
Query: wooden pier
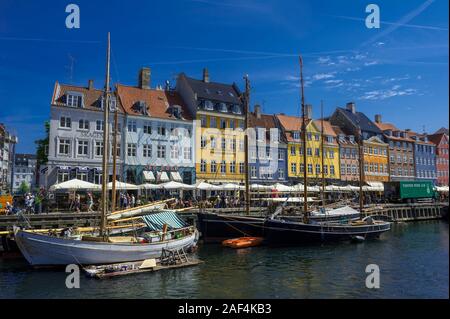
x,y
408,212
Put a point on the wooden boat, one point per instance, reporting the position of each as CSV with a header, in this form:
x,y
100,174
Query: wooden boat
x,y
40,249
243,242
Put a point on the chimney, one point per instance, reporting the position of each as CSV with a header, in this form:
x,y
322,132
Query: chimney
x,y
351,107
205,75
257,111
144,78
90,84
308,111
408,130
378,118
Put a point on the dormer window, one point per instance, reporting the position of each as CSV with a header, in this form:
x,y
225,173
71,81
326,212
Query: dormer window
x,y
176,111
223,107
389,133
141,107
112,103
296,135
74,99
208,105
352,139
425,139
237,109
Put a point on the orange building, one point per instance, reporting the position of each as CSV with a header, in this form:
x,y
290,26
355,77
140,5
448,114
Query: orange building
x,y
375,160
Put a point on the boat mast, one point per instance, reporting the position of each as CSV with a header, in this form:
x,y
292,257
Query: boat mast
x,y
322,150
113,197
247,109
305,189
104,200
361,170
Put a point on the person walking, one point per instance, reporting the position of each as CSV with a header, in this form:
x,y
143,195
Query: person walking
x,y
133,200
90,202
125,201
77,203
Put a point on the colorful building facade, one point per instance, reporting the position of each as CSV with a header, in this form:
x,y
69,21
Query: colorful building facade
x,y
349,156
291,127
218,111
267,149
441,141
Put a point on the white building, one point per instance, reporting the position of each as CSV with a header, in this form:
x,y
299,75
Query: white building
x,y
7,150
24,171
76,135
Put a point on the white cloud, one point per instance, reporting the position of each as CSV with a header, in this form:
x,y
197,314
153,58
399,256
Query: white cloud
x,y
323,76
388,93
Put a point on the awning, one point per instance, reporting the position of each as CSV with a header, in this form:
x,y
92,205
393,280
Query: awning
x,y
83,169
122,186
176,176
207,187
231,187
149,176
375,184
75,184
156,221
63,168
162,177
176,186
150,186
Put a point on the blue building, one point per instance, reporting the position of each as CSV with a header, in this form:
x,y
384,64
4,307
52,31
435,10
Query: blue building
x,y
267,149
424,157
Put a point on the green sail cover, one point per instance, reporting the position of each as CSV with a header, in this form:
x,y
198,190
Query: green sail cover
x,y
156,221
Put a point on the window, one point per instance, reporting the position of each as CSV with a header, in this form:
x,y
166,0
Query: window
x,y
223,123
203,142
349,169
99,125
280,155
332,170
117,150
354,169
280,173
174,154
65,122
83,124
147,150
213,168
233,167
224,144
233,144
131,149
241,145
212,122
309,136
83,147
202,122
64,146
317,169
296,135
232,124
74,100
132,126
309,151
331,153
203,166
294,168
325,169
98,148
317,152
63,177
293,150
310,168
161,151
161,130
302,168
242,168
325,152
147,128
223,167
343,169
317,137
82,176
187,153
253,171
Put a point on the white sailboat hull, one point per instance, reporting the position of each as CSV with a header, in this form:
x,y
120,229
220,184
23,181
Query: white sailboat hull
x,y
47,250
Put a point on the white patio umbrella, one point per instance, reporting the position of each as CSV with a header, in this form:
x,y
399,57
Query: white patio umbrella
x,y
150,186
75,184
260,187
282,188
207,187
123,186
172,185
231,187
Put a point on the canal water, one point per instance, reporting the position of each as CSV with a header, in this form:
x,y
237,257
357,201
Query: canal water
x,y
413,260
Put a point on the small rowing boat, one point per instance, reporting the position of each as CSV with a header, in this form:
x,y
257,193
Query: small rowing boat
x,y
243,242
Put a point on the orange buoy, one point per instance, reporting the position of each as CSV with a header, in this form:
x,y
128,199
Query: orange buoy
x,y
243,242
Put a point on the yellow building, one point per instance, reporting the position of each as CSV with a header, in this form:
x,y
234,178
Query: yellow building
x,y
291,126
219,128
375,159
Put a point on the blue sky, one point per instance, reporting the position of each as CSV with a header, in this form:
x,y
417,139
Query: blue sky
x,y
399,70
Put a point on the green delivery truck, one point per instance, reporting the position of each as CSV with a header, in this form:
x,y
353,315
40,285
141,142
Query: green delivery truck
x,y
409,191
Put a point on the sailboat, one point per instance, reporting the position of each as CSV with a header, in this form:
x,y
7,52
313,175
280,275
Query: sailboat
x,y
167,230
284,231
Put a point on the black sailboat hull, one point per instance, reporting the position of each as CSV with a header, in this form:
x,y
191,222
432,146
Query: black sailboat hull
x,y
279,232
216,228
